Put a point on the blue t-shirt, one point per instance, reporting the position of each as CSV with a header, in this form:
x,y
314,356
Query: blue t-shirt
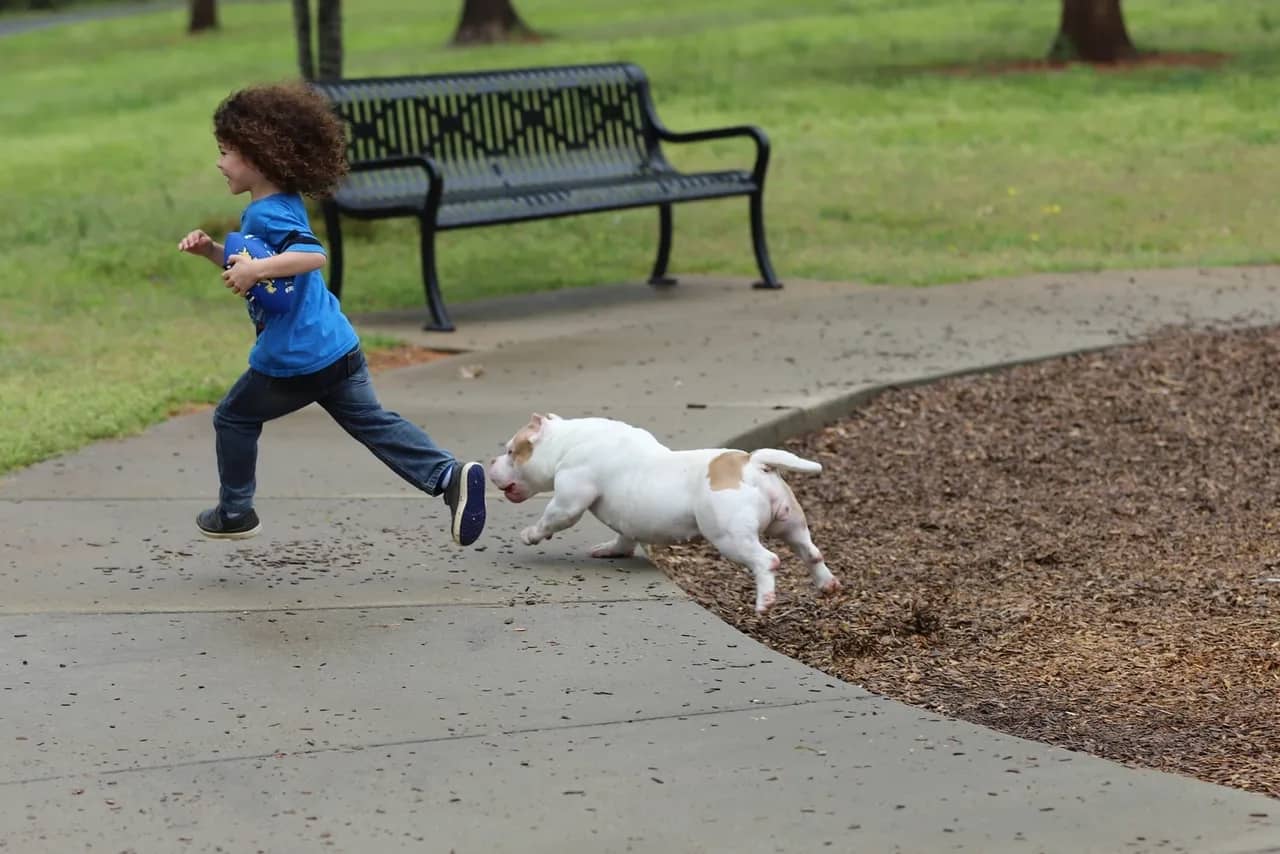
x,y
314,333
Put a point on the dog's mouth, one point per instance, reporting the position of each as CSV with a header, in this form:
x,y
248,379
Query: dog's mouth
x,y
512,493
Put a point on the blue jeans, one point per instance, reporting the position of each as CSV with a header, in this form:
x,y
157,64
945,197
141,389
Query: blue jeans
x,y
346,393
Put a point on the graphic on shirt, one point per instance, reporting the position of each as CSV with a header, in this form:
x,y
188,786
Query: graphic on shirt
x,y
273,295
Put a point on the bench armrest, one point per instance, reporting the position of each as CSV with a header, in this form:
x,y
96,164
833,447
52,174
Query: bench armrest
x,y
435,178
761,140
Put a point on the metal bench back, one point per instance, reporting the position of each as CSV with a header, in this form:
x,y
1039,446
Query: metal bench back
x,y
491,131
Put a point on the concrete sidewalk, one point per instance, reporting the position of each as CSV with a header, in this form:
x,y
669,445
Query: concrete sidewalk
x,y
350,681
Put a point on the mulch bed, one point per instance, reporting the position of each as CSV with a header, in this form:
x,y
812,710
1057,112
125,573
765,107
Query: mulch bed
x,y
1083,551
401,356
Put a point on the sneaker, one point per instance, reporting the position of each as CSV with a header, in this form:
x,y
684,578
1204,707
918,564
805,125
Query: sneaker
x,y
465,497
214,523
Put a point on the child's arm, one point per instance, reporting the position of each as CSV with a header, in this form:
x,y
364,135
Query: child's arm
x,y
199,243
243,272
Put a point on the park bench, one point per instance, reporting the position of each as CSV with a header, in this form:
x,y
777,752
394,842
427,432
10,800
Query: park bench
x,y
471,149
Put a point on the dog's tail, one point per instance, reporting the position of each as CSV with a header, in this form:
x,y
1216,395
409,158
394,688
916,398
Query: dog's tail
x,y
784,460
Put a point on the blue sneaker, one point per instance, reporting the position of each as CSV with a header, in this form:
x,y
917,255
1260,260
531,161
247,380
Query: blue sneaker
x,y
465,497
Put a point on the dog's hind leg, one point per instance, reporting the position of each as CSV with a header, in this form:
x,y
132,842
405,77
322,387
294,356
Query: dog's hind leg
x,y
619,546
793,529
747,551
801,542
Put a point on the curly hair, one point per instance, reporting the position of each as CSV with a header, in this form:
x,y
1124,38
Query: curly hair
x,y
289,133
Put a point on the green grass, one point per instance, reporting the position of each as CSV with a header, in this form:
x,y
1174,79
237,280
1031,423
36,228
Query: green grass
x,y
885,169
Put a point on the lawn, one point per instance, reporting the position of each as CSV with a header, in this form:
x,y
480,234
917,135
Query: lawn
x,y
886,169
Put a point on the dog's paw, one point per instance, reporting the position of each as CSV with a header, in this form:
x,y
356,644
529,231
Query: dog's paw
x,y
765,601
830,586
530,537
611,549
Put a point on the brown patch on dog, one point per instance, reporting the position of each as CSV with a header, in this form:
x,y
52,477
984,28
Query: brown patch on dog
x,y
522,443
725,471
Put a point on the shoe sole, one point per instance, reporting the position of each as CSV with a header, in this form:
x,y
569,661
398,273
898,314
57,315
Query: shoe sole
x,y
234,535
470,513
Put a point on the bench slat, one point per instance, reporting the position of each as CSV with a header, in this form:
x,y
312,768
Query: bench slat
x,y
405,190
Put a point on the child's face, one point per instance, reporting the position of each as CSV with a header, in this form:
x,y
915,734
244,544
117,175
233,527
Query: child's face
x,y
240,173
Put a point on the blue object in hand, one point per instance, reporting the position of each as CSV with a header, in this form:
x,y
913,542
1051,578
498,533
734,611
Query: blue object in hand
x,y
273,295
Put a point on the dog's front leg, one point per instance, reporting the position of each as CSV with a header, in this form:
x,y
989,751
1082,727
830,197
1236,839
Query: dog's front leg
x,y
619,546
571,499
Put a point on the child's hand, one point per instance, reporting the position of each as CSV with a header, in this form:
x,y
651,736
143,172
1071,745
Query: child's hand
x,y
196,243
242,273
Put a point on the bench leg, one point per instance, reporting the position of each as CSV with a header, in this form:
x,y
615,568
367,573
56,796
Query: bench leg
x,y
768,279
659,275
333,229
440,321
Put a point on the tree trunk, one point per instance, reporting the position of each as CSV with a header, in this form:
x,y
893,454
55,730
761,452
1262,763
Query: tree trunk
x,y
488,21
302,30
1093,31
329,38
204,16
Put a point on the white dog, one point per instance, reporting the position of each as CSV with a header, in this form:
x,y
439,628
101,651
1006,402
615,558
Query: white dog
x,y
648,493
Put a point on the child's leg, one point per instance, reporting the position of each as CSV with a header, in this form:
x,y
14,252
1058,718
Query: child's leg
x,y
402,445
237,421
408,451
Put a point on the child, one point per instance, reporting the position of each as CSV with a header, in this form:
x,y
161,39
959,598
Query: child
x,y
275,142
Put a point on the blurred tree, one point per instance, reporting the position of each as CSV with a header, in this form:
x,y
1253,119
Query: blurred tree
x,y
204,16
488,21
302,32
1092,30
329,38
